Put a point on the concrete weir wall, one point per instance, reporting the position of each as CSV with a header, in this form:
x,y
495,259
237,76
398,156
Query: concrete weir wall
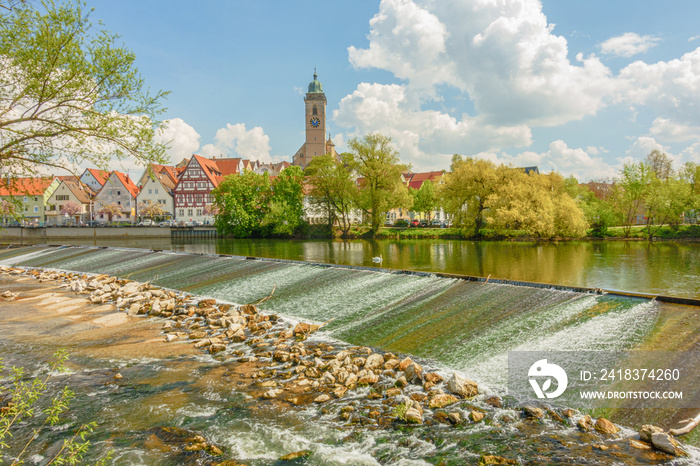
x,y
104,232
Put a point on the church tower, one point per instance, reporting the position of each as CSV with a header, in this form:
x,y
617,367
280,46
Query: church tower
x,y
315,123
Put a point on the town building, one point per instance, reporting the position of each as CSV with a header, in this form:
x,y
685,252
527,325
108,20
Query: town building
x,y
27,196
156,186
317,143
94,178
119,189
70,203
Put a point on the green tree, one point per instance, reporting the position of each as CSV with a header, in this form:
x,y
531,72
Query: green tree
x,y
465,191
381,189
285,214
68,94
665,200
598,209
630,191
243,202
332,189
425,199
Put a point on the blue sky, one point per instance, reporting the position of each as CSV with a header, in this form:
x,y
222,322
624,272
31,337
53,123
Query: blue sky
x,y
577,87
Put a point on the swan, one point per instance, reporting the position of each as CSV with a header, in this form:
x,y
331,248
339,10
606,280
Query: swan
x,y
378,259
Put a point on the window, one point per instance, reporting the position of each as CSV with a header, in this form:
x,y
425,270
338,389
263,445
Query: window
x,y
26,199
61,197
189,212
199,212
36,209
119,193
156,191
150,191
36,199
315,111
181,213
119,202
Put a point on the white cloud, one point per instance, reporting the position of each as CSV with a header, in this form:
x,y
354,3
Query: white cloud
x,y
389,110
691,154
182,138
628,44
237,141
667,130
642,146
693,38
670,88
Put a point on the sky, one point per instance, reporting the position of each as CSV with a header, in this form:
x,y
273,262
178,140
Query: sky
x,y
576,87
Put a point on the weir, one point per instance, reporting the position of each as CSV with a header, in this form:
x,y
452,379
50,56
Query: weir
x,y
447,322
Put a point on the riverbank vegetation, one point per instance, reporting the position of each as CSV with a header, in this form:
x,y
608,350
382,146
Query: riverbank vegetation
x,y
358,193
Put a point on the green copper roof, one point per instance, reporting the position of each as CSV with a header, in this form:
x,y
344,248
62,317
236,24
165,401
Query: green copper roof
x,y
315,86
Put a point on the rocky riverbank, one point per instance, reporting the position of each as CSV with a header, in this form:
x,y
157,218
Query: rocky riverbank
x,y
285,365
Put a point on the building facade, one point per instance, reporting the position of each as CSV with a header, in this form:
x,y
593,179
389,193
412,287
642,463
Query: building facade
x,y
119,189
316,143
27,195
156,186
69,190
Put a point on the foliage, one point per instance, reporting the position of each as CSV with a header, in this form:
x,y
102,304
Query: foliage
x,y
211,209
400,411
243,203
333,189
24,396
379,167
467,187
425,199
629,193
286,205
10,208
68,93
110,210
599,212
71,208
150,209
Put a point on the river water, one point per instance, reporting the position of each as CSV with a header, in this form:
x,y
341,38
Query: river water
x,y
448,324
663,268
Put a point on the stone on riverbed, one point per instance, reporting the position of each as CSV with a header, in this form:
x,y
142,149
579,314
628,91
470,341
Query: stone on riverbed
x,y
462,386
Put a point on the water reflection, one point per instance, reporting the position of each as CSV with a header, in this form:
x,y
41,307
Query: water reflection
x,y
657,268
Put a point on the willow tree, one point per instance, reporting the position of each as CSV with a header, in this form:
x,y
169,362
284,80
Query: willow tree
x,y
380,185
69,94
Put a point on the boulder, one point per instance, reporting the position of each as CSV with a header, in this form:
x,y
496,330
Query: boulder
x,y
666,443
296,455
413,416
322,398
532,411
433,377
442,400
476,416
413,372
461,386
604,426
585,422
405,363
454,418
373,361
647,430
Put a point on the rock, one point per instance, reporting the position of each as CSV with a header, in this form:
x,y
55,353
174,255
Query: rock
x,y
351,380
374,361
405,363
369,379
454,418
134,309
393,392
462,386
340,391
170,337
440,401
532,411
568,412
666,443
249,309
322,398
401,382
413,416
493,459
647,430
271,393
604,426
639,445
216,348
413,372
198,334
391,365
494,401
585,422
476,416
433,377
296,455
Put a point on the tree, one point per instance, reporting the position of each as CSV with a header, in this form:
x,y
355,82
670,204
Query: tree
x,y
629,193
9,209
660,164
150,209
379,167
68,94
467,187
110,210
332,189
596,206
286,209
71,208
665,200
425,199
243,203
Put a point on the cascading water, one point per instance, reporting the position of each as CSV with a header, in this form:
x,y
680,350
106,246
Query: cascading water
x,y
449,323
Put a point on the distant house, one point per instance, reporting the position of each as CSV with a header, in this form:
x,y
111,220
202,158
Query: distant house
x,y
118,189
69,189
272,169
94,178
28,195
415,181
156,186
192,193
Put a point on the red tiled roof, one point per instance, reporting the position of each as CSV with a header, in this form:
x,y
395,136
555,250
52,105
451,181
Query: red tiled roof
x,y
128,184
100,175
80,190
416,180
24,186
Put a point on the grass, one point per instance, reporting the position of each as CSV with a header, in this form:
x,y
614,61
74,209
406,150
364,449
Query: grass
x,y
666,232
